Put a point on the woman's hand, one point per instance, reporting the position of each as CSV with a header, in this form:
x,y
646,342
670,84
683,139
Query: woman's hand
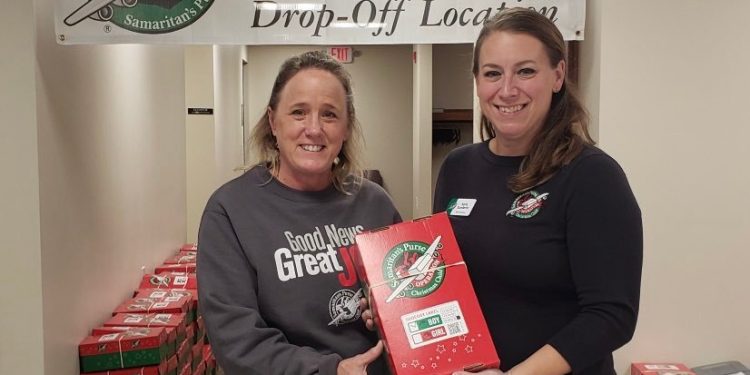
x,y
357,365
367,317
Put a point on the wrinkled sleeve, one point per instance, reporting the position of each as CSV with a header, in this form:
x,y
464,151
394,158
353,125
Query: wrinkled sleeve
x,y
227,286
605,244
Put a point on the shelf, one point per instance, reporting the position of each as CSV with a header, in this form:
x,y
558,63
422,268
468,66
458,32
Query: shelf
x,y
453,115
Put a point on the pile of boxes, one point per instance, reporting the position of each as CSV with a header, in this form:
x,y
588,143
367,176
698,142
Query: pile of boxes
x,y
156,332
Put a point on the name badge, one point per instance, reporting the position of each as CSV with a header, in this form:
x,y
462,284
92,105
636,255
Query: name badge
x,y
461,206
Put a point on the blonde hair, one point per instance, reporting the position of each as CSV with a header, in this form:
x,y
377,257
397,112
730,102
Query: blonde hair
x,y
347,170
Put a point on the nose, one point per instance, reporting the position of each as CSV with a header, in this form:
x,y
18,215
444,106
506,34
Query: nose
x,y
508,87
314,126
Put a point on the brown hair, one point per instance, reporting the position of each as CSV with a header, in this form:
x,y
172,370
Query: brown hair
x,y
565,130
347,172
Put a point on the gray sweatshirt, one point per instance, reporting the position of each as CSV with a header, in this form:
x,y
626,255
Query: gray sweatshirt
x,y
277,288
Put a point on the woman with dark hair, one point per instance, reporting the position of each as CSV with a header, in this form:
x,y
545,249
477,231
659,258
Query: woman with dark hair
x,y
548,226
553,240
277,288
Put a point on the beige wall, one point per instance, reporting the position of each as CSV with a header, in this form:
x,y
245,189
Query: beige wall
x,y
200,159
673,110
452,81
227,91
382,87
21,347
111,177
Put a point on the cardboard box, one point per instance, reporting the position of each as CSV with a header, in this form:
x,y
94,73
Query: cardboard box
x,y
169,280
209,359
160,369
659,368
170,331
182,258
189,247
424,304
173,321
200,369
161,305
132,348
175,267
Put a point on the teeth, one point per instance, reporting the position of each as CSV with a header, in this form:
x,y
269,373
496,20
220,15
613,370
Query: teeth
x,y
312,148
512,109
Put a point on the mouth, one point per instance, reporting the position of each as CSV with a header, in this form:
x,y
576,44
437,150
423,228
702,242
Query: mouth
x,y
312,148
509,110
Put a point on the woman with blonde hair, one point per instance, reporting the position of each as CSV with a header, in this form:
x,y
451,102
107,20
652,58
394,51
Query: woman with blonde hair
x,y
277,286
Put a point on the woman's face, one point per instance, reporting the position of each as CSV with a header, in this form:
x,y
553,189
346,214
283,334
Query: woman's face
x,y
310,124
515,84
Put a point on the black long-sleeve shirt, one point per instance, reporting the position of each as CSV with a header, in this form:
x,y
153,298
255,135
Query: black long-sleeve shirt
x,y
564,268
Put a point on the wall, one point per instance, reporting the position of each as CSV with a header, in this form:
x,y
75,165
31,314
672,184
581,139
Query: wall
x,y
452,81
673,112
20,273
227,62
111,175
200,159
382,90
453,88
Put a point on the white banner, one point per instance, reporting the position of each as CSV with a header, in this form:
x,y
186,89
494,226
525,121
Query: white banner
x,y
329,22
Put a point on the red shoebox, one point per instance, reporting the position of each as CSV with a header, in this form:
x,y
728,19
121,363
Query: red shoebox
x,y
200,369
169,280
170,332
161,369
189,247
173,321
420,292
154,305
175,267
170,295
132,348
182,258
664,368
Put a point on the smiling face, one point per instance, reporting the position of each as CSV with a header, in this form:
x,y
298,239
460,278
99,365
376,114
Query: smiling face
x,y
310,123
515,82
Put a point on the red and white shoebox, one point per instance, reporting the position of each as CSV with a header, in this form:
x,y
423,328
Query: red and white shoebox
x,y
182,258
659,368
175,267
424,304
155,305
169,280
170,295
189,247
174,322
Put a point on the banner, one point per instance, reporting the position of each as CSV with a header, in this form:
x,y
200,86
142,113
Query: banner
x,y
329,22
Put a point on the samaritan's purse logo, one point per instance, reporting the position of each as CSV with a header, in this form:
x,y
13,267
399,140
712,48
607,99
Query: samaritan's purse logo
x,y
527,205
142,16
406,280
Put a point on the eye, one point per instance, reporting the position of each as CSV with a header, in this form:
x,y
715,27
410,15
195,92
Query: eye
x,y
526,72
330,115
491,74
297,112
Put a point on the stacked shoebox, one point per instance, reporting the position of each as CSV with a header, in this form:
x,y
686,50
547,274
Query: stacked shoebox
x,y
156,332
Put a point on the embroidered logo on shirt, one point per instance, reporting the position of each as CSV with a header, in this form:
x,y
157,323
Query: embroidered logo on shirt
x,y
344,306
527,205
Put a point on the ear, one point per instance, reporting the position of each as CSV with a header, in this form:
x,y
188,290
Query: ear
x,y
559,76
269,113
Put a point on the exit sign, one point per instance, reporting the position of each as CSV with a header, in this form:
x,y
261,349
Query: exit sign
x,y
342,54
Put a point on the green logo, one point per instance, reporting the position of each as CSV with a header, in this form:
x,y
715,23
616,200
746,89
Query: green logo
x,y
398,270
142,16
527,205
